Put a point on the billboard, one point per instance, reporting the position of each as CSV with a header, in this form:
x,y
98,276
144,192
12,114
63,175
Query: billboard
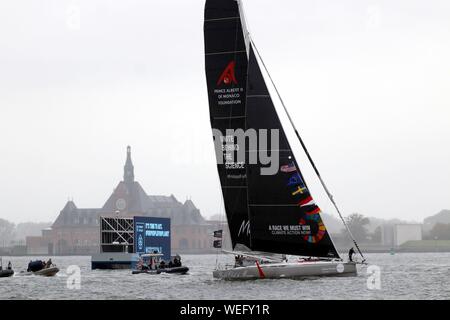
x,y
152,234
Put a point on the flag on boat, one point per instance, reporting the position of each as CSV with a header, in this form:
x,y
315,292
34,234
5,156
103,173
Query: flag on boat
x,y
315,211
296,180
308,201
288,168
218,234
218,244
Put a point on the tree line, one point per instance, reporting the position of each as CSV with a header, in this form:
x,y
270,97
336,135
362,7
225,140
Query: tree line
x,y
358,224
15,234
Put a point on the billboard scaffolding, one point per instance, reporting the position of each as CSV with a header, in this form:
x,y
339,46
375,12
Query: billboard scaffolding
x,y
116,234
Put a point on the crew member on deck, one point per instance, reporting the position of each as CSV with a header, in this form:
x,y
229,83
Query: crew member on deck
x,y
177,262
9,265
239,260
351,252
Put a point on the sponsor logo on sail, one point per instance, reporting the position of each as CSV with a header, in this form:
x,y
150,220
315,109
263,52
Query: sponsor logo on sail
x,y
313,217
245,228
290,230
228,75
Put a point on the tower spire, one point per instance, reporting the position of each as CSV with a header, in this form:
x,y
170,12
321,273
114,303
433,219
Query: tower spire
x,y
128,172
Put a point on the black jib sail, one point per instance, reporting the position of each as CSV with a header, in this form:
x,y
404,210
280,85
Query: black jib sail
x,y
283,215
271,212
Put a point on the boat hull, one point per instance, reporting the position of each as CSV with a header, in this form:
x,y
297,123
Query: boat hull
x,y
175,270
178,270
6,273
288,270
47,272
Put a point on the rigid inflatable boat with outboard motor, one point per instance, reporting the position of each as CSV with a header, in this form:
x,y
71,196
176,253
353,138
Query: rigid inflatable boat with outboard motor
x,y
153,264
40,268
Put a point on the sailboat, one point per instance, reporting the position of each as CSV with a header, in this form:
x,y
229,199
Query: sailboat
x,y
271,214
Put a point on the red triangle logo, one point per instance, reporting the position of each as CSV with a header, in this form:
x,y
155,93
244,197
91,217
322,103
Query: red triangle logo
x,y
228,76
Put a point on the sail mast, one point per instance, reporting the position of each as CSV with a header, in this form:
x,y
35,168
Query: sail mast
x,y
330,196
244,25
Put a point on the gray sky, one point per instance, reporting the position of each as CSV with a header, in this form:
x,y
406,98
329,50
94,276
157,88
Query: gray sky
x,y
367,83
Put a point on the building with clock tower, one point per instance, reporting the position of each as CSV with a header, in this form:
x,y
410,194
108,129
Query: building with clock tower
x,y
76,230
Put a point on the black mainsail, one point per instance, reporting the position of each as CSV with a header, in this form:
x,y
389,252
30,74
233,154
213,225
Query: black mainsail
x,y
266,212
226,71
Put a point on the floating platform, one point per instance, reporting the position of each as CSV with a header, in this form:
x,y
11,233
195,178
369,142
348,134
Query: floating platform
x,y
114,261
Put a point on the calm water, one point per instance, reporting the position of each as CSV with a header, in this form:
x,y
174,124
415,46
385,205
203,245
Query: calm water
x,y
403,276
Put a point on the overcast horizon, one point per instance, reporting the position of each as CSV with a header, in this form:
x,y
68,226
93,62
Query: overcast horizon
x,y
366,82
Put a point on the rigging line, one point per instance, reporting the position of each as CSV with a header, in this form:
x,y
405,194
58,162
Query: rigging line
x,y
330,196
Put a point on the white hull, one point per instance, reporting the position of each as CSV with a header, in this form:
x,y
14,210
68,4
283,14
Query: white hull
x,y
288,270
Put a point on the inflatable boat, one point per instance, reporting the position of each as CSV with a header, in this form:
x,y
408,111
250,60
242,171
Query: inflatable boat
x,y
40,268
152,264
6,273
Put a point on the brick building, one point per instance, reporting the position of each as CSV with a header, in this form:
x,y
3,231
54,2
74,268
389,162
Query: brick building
x,y
76,230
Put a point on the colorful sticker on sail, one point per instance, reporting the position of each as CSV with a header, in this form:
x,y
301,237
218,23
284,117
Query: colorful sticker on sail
x,y
228,75
314,217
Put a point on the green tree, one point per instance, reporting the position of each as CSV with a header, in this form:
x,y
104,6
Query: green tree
x,y
376,235
357,224
440,231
